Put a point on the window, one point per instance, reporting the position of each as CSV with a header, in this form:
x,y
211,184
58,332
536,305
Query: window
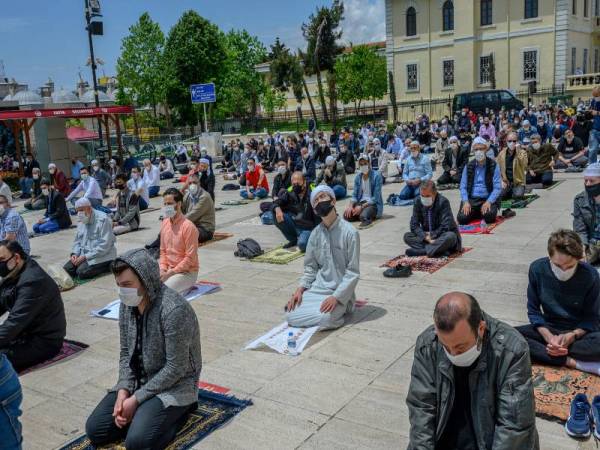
x,y
448,73
530,65
412,77
596,60
411,21
573,60
585,60
586,12
485,69
531,9
596,8
574,7
448,16
505,96
486,12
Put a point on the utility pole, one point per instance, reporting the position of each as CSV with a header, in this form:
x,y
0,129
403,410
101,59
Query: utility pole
x,y
88,20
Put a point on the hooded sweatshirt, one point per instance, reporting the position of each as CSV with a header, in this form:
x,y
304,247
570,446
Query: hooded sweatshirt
x,y
170,344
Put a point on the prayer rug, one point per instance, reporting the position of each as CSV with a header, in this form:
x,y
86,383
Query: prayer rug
x,y
555,387
277,339
554,184
79,281
27,211
278,255
214,410
212,387
519,203
217,236
69,349
424,263
475,227
111,311
235,202
252,221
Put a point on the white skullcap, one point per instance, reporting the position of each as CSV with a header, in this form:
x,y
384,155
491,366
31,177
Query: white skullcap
x,y
51,166
452,139
526,122
329,160
593,170
320,188
376,141
415,142
82,203
479,141
112,161
363,157
94,162
203,148
204,161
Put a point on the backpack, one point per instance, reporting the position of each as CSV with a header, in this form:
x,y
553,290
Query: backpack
x,y
248,248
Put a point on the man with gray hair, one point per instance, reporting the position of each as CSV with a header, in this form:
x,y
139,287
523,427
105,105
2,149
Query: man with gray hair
x,y
453,163
331,268
416,170
471,385
586,210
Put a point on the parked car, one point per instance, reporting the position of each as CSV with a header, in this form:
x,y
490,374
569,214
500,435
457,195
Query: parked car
x,y
478,101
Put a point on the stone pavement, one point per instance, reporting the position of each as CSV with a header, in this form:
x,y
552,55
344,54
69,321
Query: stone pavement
x,y
348,388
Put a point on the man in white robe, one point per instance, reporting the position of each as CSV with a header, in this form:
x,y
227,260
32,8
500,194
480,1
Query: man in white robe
x,y
331,269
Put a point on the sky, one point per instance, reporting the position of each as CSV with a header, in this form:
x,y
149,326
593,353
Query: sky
x,y
47,38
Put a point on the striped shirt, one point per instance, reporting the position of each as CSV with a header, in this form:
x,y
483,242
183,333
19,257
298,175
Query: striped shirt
x,y
12,222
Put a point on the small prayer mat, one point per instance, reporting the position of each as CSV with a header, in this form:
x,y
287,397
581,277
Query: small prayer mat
x,y
68,350
27,211
475,227
555,387
424,263
278,255
554,184
79,281
235,202
214,410
217,236
519,203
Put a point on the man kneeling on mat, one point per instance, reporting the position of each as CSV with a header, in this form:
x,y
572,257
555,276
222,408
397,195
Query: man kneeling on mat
x,y
159,363
331,269
563,305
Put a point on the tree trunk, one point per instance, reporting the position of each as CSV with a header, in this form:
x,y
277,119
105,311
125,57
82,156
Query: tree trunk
x,y
355,107
322,97
312,107
167,115
331,85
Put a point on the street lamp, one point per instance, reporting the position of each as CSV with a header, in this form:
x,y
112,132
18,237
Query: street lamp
x,y
92,9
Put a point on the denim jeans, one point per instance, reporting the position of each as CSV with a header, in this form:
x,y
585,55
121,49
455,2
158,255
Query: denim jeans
x,y
153,191
50,226
594,143
10,402
258,193
292,233
409,192
26,185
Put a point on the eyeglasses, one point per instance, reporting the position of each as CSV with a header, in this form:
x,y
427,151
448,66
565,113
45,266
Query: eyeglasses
x,y
512,140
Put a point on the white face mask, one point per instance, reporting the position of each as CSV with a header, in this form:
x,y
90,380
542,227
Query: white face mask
x,y
597,99
129,296
35,177
454,146
169,211
84,176
2,210
536,145
467,358
562,275
364,169
193,188
51,171
426,201
479,155
83,217
281,170
511,145
46,192
414,154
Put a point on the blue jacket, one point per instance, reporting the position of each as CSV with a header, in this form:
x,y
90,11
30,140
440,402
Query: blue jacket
x,y
376,183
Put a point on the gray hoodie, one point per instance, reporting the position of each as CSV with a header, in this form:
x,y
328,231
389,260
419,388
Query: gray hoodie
x,y
171,341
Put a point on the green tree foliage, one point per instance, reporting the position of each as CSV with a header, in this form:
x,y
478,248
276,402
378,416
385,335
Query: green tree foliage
x,y
139,68
195,52
285,70
272,100
361,75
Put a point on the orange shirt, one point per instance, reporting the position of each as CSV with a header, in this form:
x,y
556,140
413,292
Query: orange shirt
x,y
178,245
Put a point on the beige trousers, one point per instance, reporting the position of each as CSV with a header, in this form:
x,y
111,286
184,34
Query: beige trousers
x,y
182,282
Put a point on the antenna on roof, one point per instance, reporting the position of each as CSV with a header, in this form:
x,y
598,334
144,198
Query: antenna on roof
x,y
2,73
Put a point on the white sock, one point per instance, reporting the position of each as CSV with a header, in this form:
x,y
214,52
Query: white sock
x,y
589,367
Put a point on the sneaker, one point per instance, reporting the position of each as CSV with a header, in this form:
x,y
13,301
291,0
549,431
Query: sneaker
x,y
365,224
399,271
290,245
415,252
596,416
578,424
508,213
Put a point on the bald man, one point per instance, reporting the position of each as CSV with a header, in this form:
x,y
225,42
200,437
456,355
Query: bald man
x,y
471,382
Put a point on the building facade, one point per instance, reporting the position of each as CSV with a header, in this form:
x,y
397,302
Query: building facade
x,y
438,48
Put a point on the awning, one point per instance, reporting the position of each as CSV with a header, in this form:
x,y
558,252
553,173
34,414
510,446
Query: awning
x,y
81,134
66,113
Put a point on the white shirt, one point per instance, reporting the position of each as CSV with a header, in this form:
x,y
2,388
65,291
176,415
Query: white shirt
x,y
89,187
152,177
366,189
139,184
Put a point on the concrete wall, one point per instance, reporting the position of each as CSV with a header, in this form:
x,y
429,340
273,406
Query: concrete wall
x,y
52,145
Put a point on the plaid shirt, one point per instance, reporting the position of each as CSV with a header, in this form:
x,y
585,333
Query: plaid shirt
x,y
12,222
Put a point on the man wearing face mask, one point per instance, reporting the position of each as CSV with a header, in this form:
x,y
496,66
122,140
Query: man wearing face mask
x,y
480,187
59,180
441,146
455,160
94,246
571,152
166,169
331,269
283,179
204,155
306,164
127,216
513,166
526,131
137,185
470,371
37,200
293,213
322,152
178,245
12,225
594,139
101,176
540,162
35,327
199,208
90,189
488,129
257,185
334,176
27,181
113,171
206,177
367,200
76,167
563,306
347,159
159,364
586,213
57,215
151,176
416,170
433,230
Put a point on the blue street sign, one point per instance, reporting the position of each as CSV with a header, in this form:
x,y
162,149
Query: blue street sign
x,y
203,93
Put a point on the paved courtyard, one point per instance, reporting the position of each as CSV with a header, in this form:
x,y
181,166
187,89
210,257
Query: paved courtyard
x,y
348,388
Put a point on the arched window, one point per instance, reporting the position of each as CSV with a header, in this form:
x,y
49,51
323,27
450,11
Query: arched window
x,y
411,21
486,12
531,9
448,16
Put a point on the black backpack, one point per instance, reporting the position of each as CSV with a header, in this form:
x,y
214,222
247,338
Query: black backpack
x,y
248,248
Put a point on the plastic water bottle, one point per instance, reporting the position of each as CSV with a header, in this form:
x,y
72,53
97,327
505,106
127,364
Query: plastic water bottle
x,y
291,343
483,226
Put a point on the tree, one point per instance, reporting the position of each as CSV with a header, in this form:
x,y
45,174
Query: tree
x,y
271,100
321,34
195,52
139,67
361,75
392,89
